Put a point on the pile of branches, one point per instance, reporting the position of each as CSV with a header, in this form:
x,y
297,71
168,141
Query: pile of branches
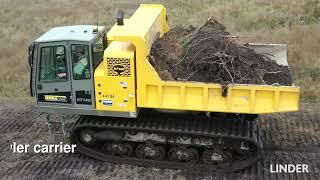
x,y
210,54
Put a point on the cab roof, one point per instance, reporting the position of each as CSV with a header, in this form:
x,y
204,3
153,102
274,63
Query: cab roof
x,y
70,33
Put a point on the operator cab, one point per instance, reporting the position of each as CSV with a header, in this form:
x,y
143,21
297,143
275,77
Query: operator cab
x,y
62,67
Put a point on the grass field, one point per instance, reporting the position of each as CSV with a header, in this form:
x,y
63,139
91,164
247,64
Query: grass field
x,y
295,22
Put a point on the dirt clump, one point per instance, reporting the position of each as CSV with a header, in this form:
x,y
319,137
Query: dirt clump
x,y
209,54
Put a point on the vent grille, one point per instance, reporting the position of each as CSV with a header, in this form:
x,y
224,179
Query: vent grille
x,y
119,67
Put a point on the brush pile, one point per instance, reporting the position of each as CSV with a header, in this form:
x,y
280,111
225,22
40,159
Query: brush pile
x,y
209,54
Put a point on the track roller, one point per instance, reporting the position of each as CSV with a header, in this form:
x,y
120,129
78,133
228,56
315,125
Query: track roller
x,y
87,137
216,156
182,154
119,149
150,151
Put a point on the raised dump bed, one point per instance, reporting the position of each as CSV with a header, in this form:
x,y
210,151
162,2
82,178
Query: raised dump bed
x,y
152,92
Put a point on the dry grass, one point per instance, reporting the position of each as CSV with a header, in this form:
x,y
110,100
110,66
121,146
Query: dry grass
x,y
295,22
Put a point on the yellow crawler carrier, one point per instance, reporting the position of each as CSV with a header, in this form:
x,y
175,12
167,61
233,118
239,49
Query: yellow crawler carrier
x,y
128,114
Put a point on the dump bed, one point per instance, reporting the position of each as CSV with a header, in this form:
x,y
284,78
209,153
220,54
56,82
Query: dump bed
x,y
207,97
152,92
235,98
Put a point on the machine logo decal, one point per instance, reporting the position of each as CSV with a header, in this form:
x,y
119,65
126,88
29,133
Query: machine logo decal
x,y
53,98
83,97
119,67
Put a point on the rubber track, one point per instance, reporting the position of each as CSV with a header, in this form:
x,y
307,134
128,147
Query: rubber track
x,y
233,131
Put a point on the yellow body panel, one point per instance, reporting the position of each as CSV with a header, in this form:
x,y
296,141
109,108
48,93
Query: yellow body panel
x,y
141,30
115,79
252,99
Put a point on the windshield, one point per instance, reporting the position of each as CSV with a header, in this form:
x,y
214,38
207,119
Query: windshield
x,y
53,64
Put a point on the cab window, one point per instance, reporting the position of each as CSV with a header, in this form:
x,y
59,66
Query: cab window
x,y
80,61
53,64
98,49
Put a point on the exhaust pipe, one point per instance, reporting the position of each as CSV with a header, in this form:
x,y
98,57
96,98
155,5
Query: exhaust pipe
x,y
120,16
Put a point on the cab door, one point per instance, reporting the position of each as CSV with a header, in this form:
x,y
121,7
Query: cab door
x,y
81,75
53,85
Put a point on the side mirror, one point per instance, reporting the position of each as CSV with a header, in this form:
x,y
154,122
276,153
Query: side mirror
x,y
30,61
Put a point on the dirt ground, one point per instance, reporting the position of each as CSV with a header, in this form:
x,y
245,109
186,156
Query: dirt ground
x,y
288,138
